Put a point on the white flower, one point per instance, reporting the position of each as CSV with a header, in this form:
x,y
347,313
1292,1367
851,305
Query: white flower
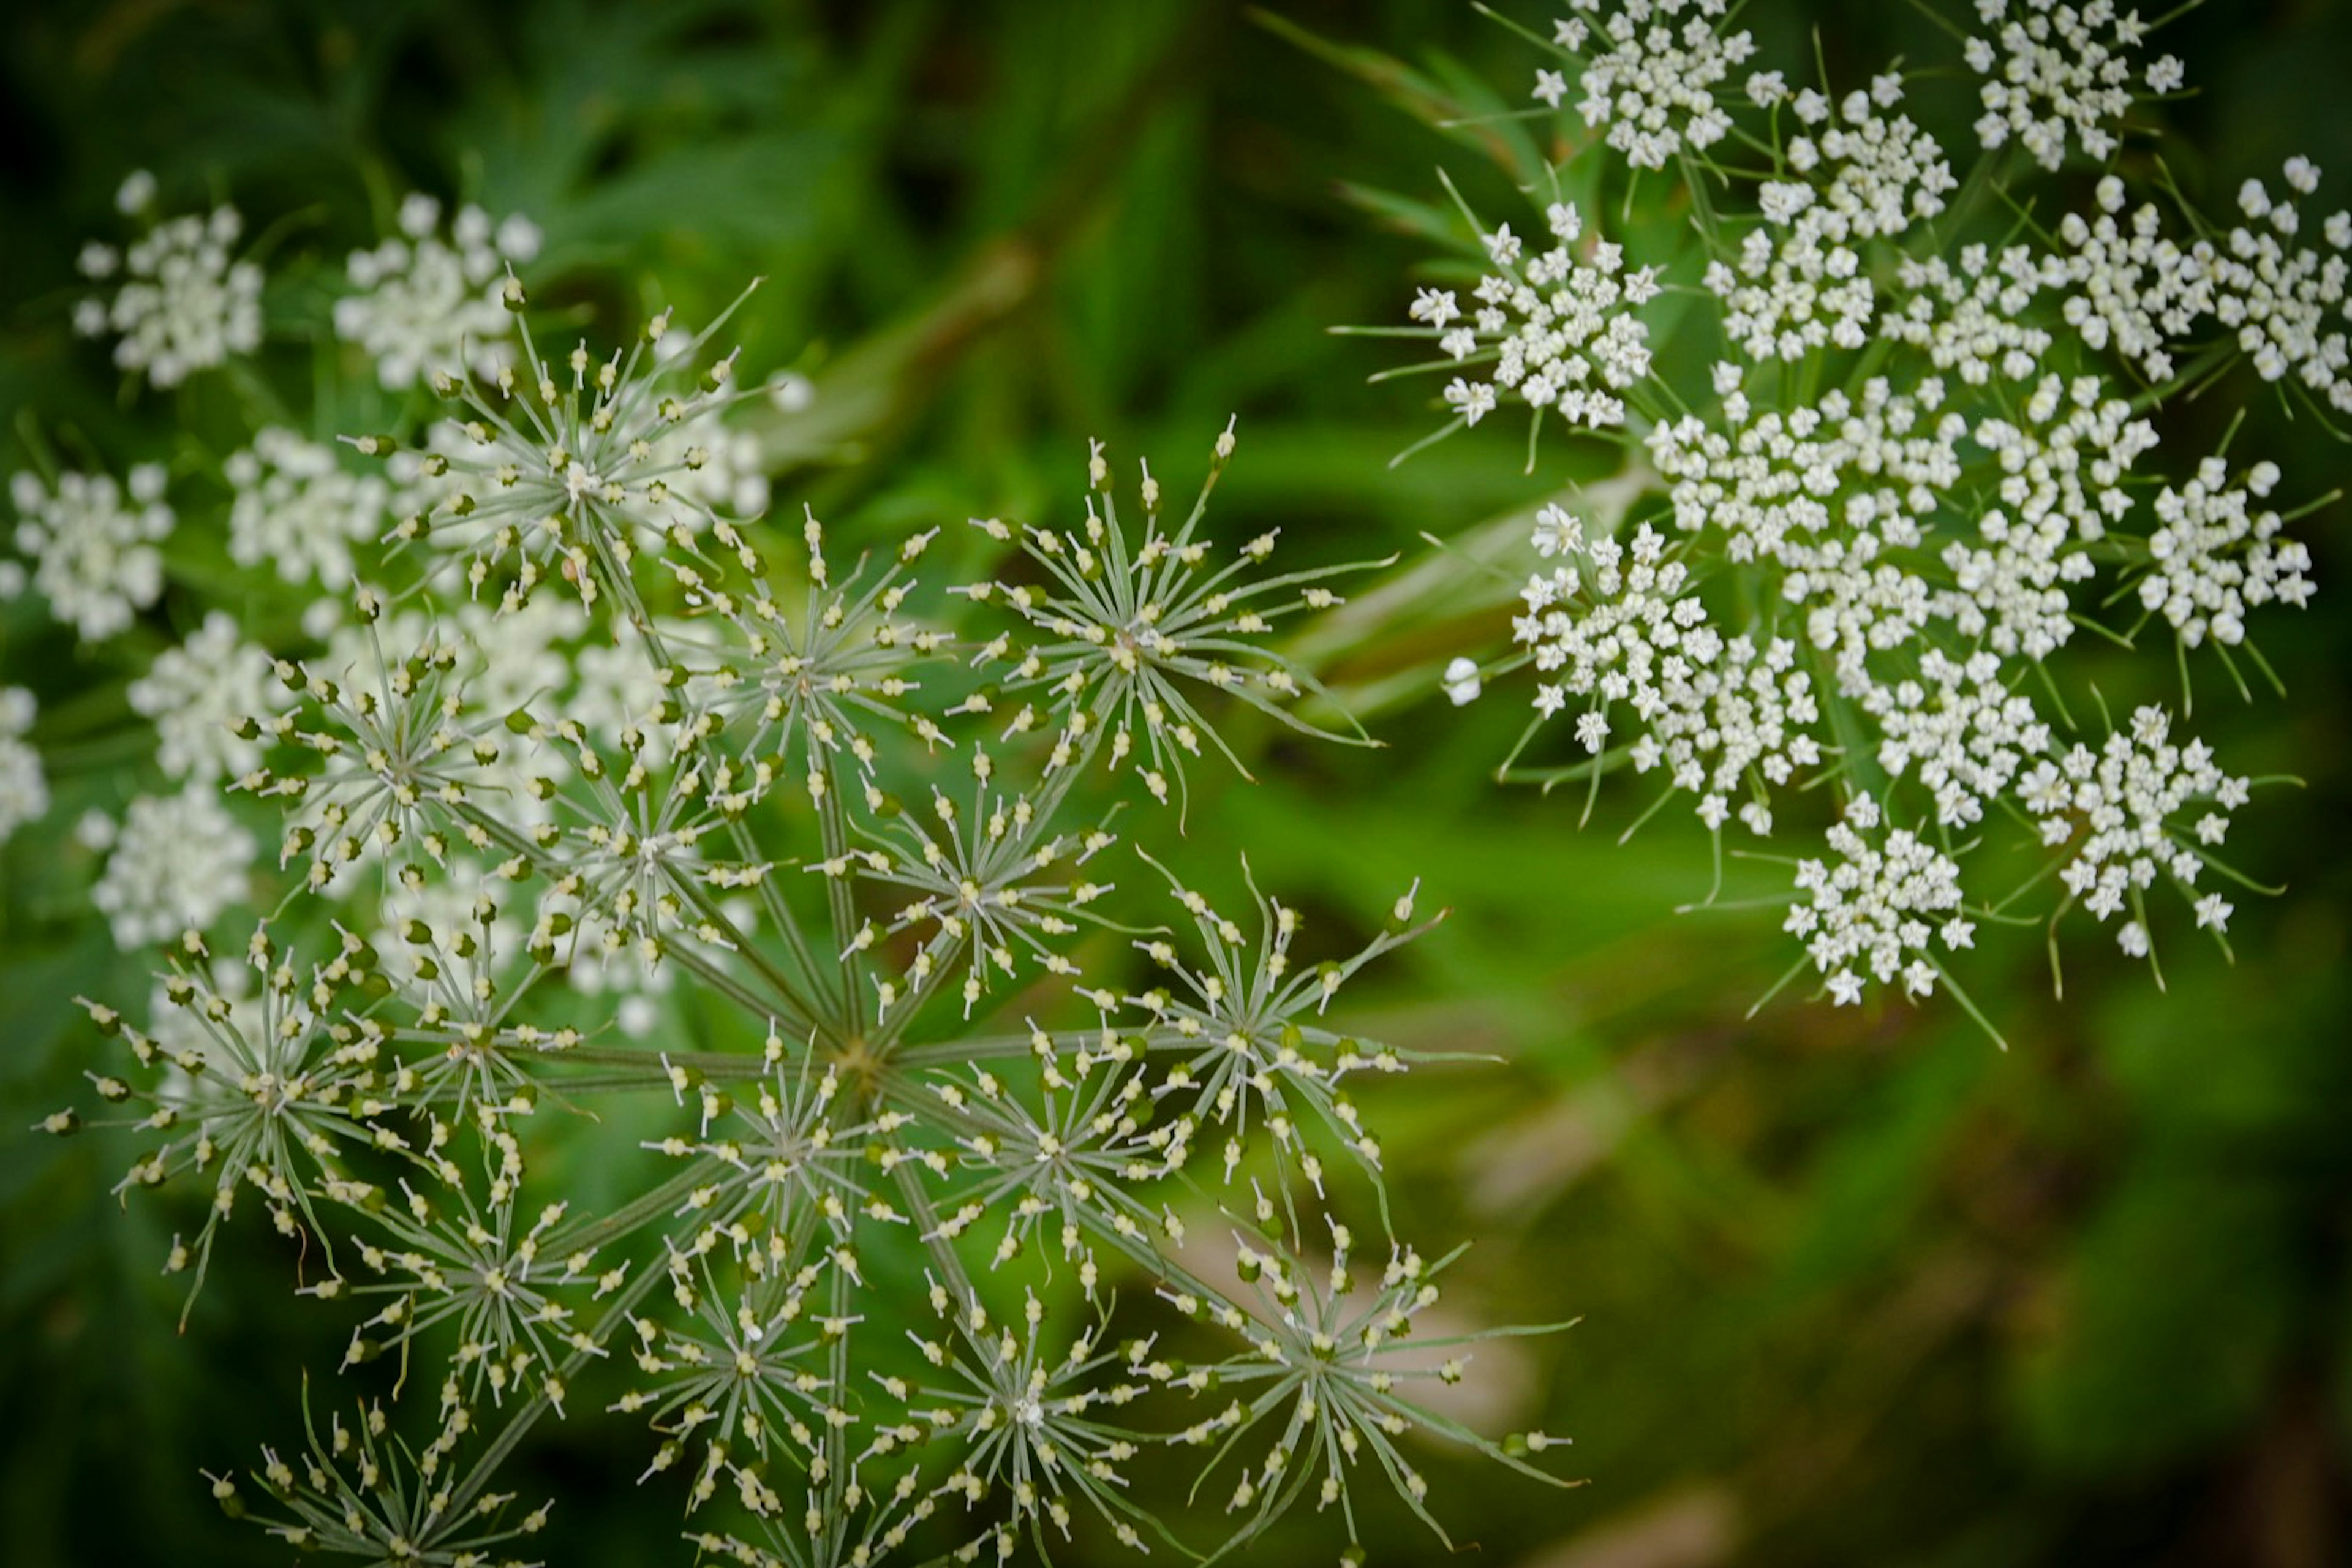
x,y
2130,800
2061,69
1460,681
1558,532
136,193
1870,176
426,302
24,787
177,862
196,692
1557,332
1965,732
94,547
183,304
299,510
1654,87
2214,557
1872,913
790,392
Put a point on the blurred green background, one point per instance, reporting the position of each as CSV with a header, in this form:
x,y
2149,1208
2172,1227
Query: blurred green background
x,y
1853,1287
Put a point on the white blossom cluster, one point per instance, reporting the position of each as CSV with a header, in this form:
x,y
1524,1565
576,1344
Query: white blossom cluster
x,y
2209,561
427,299
2284,304
298,510
2057,70
1714,711
1553,329
1650,69
24,786
1922,463
94,546
174,863
196,692
184,302
1799,282
2129,801
1878,908
883,827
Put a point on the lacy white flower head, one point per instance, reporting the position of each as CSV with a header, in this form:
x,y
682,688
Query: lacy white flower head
x,y
1121,631
24,786
175,864
2133,283
2056,69
1799,283
1650,69
428,301
298,510
2133,802
93,545
184,303
573,468
2210,563
1557,328
200,694
1874,913
1923,464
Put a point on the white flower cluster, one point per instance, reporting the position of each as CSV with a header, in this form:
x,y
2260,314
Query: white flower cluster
x,y
2284,304
298,509
197,693
1558,330
1878,908
1714,710
94,547
1799,283
2209,561
1973,320
184,303
1827,494
2130,802
2060,484
1919,468
24,787
175,864
1653,85
427,302
1962,732
2056,69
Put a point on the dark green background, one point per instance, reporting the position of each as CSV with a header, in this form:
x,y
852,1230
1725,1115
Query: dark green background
x,y
1854,1287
